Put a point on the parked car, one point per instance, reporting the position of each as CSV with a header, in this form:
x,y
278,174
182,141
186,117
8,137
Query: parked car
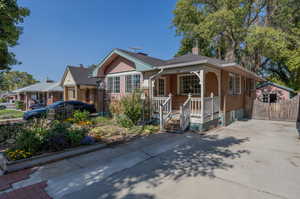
x,y
76,105
36,106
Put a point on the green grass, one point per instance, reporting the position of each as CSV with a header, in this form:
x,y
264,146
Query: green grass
x,y
10,114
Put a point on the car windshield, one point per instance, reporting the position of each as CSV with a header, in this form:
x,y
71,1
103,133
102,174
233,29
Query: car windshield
x,y
54,104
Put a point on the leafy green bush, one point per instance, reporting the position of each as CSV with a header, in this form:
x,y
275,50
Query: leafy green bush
x,y
133,106
149,129
3,100
81,116
101,120
124,121
20,105
56,138
75,135
29,141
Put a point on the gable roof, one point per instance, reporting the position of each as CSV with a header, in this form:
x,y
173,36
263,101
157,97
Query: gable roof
x,y
144,62
81,75
276,85
41,87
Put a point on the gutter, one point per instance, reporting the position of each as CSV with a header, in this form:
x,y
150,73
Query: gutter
x,y
183,64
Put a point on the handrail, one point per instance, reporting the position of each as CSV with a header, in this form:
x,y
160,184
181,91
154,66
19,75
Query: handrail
x,y
185,113
165,111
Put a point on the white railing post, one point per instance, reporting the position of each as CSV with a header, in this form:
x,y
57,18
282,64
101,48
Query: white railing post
x,y
181,117
212,105
161,123
170,96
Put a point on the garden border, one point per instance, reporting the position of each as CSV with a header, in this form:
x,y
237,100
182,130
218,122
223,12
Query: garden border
x,y
9,166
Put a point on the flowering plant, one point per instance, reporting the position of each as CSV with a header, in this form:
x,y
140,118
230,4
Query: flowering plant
x,y
17,154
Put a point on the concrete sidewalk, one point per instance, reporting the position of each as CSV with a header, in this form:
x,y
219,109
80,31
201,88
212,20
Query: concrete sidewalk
x,y
74,174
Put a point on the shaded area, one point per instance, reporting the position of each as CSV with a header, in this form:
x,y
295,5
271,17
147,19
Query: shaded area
x,y
201,156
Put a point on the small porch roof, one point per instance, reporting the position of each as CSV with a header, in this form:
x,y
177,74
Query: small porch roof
x,y
41,87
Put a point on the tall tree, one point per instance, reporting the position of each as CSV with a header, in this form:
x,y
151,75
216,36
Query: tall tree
x,y
15,79
262,35
11,15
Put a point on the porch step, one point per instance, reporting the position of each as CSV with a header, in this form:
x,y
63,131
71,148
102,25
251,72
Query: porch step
x,y
173,124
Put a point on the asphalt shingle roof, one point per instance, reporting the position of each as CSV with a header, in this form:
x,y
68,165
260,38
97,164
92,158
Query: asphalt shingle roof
x,y
41,87
82,75
144,58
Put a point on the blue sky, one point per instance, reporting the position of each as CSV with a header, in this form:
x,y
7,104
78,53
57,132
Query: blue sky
x,y
73,32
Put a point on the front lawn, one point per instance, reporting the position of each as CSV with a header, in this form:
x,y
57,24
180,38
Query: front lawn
x,y
10,114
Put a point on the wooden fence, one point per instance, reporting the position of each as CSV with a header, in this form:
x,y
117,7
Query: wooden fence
x,y
286,110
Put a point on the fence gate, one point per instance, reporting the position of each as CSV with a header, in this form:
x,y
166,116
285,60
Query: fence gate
x,y
286,110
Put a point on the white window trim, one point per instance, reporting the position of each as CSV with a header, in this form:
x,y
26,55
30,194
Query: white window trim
x,y
234,75
178,84
131,81
113,85
165,86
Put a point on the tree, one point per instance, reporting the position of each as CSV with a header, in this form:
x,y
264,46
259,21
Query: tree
x,y
15,79
261,35
11,15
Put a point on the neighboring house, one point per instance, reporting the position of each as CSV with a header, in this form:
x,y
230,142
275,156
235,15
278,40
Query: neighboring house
x,y
44,92
270,92
199,91
78,85
11,97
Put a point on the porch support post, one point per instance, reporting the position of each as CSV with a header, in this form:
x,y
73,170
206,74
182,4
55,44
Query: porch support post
x,y
219,91
202,81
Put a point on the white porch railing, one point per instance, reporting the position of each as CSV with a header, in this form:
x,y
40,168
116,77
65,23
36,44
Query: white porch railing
x,y
165,111
185,113
196,106
211,108
156,102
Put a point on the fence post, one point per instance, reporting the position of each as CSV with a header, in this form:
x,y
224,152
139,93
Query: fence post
x,y
212,105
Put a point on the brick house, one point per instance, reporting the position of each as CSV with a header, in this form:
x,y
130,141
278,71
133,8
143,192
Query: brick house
x,y
196,91
270,92
78,86
45,93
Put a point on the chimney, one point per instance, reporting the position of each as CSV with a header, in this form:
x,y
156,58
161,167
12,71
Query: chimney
x,y
195,49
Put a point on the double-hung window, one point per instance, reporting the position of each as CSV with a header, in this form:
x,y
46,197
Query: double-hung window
x,y
132,82
234,84
113,84
189,84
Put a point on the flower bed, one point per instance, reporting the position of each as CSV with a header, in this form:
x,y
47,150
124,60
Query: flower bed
x,y
39,137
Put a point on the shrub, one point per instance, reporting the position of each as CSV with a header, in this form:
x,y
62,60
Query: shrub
x,y
2,107
3,100
106,131
81,116
29,141
133,106
124,121
116,108
101,120
56,138
149,129
20,105
136,129
75,136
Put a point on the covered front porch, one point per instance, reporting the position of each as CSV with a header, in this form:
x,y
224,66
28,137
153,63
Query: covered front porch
x,y
188,97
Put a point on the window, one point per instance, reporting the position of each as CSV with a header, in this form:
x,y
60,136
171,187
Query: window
x,y
113,84
71,93
273,98
159,87
265,98
234,84
132,82
189,84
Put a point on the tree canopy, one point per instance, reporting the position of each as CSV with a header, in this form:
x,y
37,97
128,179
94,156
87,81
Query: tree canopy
x,y
261,35
11,15
15,79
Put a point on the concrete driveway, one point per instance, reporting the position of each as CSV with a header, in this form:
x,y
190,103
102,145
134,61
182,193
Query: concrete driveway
x,y
251,159
248,159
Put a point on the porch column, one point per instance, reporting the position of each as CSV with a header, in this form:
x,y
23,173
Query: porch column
x,y
202,82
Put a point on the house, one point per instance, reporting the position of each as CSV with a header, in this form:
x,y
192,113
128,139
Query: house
x,y
78,85
270,92
197,92
45,93
9,96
